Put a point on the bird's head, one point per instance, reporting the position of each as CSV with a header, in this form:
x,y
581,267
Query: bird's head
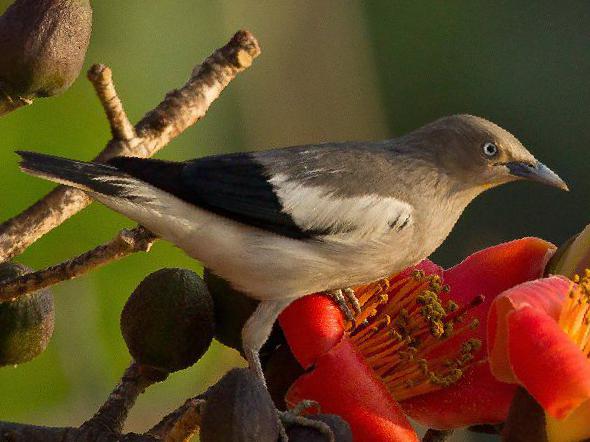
x,y
480,154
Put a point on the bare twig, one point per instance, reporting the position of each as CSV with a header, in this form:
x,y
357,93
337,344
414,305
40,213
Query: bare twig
x,y
180,109
181,424
14,432
113,413
107,424
101,77
9,104
125,243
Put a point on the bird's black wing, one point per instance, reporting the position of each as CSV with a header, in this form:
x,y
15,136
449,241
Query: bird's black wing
x,y
235,186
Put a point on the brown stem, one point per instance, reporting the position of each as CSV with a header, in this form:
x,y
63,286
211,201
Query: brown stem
x,y
8,104
101,77
125,243
180,109
113,413
14,432
181,424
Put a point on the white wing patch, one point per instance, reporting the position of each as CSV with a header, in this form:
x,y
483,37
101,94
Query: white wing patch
x,y
318,209
137,191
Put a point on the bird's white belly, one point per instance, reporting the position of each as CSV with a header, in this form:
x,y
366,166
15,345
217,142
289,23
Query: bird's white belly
x,y
270,266
263,264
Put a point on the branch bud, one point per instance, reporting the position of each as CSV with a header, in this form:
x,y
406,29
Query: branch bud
x,y
42,48
26,324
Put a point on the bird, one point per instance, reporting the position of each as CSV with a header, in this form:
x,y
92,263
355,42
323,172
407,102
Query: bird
x,y
283,223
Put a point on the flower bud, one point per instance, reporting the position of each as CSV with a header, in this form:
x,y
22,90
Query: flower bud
x,y
42,48
340,428
167,321
573,257
239,409
26,324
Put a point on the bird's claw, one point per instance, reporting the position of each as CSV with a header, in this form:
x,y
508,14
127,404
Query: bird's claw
x,y
352,299
340,297
293,417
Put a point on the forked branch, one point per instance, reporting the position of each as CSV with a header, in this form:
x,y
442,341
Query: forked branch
x,y
180,109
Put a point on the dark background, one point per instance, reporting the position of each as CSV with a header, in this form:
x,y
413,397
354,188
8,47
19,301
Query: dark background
x,y
330,70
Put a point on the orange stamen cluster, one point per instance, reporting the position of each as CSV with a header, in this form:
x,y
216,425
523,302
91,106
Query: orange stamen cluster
x,y
402,321
574,318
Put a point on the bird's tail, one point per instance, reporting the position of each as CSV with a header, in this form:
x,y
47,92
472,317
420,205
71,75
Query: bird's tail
x,y
91,177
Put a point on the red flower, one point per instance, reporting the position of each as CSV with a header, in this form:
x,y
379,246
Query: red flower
x,y
417,348
539,337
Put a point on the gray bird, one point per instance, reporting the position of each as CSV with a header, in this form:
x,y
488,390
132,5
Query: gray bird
x,y
284,223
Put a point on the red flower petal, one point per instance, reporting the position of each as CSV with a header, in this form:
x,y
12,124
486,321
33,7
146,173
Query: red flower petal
x,y
312,326
544,294
547,362
477,398
489,272
343,384
426,266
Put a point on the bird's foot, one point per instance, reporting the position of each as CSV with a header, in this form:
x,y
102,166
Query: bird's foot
x,y
340,297
352,299
293,417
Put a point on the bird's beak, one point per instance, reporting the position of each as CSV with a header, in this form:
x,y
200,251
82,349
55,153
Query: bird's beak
x,y
536,172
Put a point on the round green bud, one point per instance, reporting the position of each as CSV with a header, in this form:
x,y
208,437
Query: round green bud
x,y
239,409
168,322
42,46
26,324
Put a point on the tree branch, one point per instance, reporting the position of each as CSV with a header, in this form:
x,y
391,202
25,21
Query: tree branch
x,y
125,243
182,423
9,104
13,432
180,109
113,413
107,424
101,77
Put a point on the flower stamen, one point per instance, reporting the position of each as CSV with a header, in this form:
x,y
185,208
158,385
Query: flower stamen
x,y
402,321
574,318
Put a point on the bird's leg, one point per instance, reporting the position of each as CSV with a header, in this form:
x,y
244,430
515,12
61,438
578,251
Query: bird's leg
x,y
340,296
254,334
257,330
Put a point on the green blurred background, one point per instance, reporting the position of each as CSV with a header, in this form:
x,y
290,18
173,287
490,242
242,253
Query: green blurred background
x,y
329,70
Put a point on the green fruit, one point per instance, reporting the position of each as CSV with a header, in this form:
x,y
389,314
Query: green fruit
x,y
239,409
26,324
168,320
42,47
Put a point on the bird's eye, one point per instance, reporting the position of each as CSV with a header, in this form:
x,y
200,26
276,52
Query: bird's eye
x,y
490,149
